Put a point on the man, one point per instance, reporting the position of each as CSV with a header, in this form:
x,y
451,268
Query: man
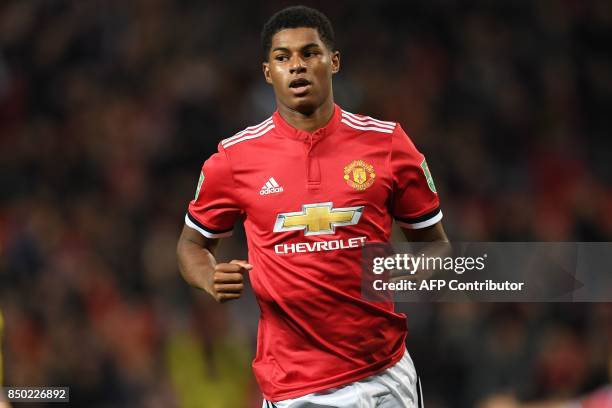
x,y
313,184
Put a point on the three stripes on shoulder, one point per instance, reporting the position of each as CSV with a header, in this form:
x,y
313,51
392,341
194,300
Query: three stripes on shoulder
x,y
366,123
251,132
349,119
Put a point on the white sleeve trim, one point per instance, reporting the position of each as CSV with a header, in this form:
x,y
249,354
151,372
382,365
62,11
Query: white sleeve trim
x,y
423,224
202,231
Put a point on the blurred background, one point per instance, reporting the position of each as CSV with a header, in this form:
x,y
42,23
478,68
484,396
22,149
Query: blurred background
x,y
108,109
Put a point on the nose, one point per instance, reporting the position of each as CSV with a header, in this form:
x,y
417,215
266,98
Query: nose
x,y
297,65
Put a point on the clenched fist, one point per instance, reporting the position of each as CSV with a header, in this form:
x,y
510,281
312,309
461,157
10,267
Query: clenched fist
x,y
227,281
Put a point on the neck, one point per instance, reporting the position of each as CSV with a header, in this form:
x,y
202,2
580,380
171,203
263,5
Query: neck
x,y
308,122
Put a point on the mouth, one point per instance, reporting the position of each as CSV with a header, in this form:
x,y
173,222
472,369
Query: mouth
x,y
299,86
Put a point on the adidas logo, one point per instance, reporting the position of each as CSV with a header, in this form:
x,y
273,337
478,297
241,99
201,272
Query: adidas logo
x,y
271,187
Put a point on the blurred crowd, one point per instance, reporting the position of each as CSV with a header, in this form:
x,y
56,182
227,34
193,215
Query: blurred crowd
x,y
108,109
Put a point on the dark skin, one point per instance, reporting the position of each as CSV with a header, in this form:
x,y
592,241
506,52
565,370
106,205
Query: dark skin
x,y
299,53
223,281
300,68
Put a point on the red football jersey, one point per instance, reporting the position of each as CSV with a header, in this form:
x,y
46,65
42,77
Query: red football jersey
x,y
309,201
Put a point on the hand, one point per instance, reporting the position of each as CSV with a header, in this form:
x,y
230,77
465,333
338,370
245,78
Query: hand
x,y
227,280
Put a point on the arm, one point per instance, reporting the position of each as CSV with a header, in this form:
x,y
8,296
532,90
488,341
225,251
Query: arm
x,y
210,216
415,204
429,234
438,246
199,268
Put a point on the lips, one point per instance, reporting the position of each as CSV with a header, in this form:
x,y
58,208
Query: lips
x,y
296,83
299,86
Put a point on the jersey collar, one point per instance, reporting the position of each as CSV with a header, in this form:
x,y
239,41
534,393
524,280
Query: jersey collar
x,y
289,130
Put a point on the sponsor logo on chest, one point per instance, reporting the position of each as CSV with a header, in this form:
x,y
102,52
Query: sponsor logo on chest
x,y
318,219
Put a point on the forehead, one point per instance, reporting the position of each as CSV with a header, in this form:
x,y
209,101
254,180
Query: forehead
x,y
296,37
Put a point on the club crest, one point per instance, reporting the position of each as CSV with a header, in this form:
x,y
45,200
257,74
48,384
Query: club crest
x,y
359,175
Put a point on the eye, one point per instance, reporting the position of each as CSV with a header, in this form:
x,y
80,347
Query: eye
x,y
310,53
281,58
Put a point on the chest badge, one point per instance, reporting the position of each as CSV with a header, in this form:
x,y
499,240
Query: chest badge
x,y
359,174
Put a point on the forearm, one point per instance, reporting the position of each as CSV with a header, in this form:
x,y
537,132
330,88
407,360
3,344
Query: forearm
x,y
196,264
430,242
196,260
435,233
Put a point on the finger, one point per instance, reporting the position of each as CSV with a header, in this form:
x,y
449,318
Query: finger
x,y
243,264
227,267
234,266
223,277
224,297
228,287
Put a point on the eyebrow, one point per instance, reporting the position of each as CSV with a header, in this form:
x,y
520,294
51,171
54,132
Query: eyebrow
x,y
302,48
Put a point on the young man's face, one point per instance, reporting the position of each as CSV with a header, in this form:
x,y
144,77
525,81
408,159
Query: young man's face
x,y
300,68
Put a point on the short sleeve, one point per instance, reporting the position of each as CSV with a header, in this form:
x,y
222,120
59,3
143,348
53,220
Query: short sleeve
x,y
415,200
215,208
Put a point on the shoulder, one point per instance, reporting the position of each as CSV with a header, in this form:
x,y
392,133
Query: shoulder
x,y
367,123
247,134
228,155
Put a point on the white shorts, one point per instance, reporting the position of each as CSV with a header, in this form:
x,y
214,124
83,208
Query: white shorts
x,y
396,387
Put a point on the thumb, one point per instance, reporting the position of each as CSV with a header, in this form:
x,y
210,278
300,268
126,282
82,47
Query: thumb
x,y
243,264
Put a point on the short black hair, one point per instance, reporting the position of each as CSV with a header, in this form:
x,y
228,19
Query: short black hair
x,y
296,17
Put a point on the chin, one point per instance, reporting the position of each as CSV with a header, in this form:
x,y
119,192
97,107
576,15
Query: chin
x,y
305,105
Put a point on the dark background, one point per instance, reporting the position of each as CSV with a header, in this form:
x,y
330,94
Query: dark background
x,y
108,109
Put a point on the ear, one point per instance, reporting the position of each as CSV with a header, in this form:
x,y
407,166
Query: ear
x,y
335,61
266,71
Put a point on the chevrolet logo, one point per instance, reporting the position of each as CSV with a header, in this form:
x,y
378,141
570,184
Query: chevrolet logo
x,y
318,219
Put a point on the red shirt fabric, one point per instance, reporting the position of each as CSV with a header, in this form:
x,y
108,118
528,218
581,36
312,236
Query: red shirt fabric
x,y
309,201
